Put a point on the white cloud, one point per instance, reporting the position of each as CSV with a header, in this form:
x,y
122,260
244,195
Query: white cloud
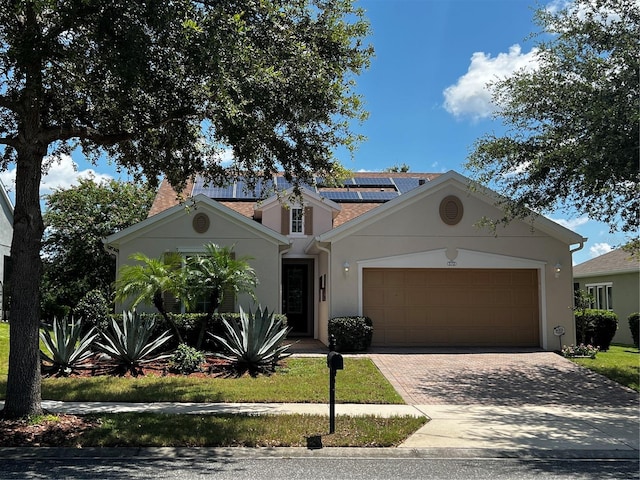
x,y
571,223
470,96
600,249
62,173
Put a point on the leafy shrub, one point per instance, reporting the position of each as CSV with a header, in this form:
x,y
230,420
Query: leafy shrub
x,y
66,347
352,334
186,359
596,327
581,350
132,345
94,310
255,343
634,325
189,325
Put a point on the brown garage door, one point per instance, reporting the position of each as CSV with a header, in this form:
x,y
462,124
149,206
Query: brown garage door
x,y
452,307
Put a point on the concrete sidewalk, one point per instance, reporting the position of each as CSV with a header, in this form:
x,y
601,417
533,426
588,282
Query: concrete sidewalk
x,y
502,429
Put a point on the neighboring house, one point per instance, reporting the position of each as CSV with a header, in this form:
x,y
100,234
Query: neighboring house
x,y
6,234
401,248
613,279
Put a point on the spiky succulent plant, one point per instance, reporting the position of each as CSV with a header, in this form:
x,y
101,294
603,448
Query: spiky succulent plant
x,y
132,346
66,347
254,343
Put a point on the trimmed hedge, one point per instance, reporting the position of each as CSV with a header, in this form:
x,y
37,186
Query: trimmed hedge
x,y
596,327
352,334
634,325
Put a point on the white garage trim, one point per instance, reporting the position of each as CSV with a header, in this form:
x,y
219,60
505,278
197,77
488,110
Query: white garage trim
x,y
460,258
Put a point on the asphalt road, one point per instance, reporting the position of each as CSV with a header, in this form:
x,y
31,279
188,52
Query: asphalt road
x,y
308,466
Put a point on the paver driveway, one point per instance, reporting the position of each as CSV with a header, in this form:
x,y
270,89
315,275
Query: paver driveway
x,y
498,377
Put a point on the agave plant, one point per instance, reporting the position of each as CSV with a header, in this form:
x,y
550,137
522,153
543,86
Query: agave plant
x,y
132,346
66,348
255,342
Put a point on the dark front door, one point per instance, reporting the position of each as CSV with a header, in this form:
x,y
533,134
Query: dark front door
x,y
297,299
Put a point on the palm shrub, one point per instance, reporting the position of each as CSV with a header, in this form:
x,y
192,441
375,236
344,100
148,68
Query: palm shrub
x,y
254,343
132,346
186,359
66,347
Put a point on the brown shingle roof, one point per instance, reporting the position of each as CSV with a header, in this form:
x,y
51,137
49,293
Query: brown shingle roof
x,y
167,198
615,261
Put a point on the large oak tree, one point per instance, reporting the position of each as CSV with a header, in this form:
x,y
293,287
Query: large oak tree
x,y
159,87
573,119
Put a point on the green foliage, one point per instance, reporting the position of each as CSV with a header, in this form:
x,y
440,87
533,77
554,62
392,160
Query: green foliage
x,y
213,274
573,119
94,310
352,334
596,327
66,347
131,346
149,280
398,168
160,89
255,343
634,326
186,359
78,219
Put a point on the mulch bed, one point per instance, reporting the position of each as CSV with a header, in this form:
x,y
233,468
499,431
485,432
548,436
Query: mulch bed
x,y
62,430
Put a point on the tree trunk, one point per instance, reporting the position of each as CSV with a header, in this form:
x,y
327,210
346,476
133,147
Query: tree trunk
x,y
158,302
24,381
213,306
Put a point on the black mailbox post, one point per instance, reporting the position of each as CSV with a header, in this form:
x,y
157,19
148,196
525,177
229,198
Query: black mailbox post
x,y
335,362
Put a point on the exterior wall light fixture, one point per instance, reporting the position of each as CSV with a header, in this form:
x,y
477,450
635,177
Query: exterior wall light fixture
x,y
346,267
557,269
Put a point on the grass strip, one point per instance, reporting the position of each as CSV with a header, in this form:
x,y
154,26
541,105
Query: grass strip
x,y
621,363
302,380
172,430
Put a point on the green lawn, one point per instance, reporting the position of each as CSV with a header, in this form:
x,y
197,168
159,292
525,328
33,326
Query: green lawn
x,y
159,430
301,380
621,363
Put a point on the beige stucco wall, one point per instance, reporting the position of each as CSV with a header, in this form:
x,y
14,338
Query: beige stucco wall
x,y
626,294
417,229
177,234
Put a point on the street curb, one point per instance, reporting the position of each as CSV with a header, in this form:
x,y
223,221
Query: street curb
x,y
163,453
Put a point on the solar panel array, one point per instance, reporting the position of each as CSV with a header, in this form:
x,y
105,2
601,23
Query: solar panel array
x,y
240,190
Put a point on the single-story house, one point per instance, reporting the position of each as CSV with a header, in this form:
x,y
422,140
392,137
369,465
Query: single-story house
x,y
401,248
613,279
6,235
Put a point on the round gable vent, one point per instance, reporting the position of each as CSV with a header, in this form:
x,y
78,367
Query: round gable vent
x,y
201,222
451,210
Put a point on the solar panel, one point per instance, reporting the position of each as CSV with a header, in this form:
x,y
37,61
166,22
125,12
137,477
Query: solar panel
x,y
244,192
373,181
212,191
405,184
342,196
379,196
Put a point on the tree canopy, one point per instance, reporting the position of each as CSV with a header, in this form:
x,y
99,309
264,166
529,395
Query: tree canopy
x,y
573,119
77,219
160,87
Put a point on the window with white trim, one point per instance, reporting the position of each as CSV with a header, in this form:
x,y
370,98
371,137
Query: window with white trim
x,y
297,220
602,295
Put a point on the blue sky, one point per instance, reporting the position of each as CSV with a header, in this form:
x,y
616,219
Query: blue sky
x,y
425,92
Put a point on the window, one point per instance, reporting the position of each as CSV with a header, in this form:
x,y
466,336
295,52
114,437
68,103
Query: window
x,y
602,295
297,220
